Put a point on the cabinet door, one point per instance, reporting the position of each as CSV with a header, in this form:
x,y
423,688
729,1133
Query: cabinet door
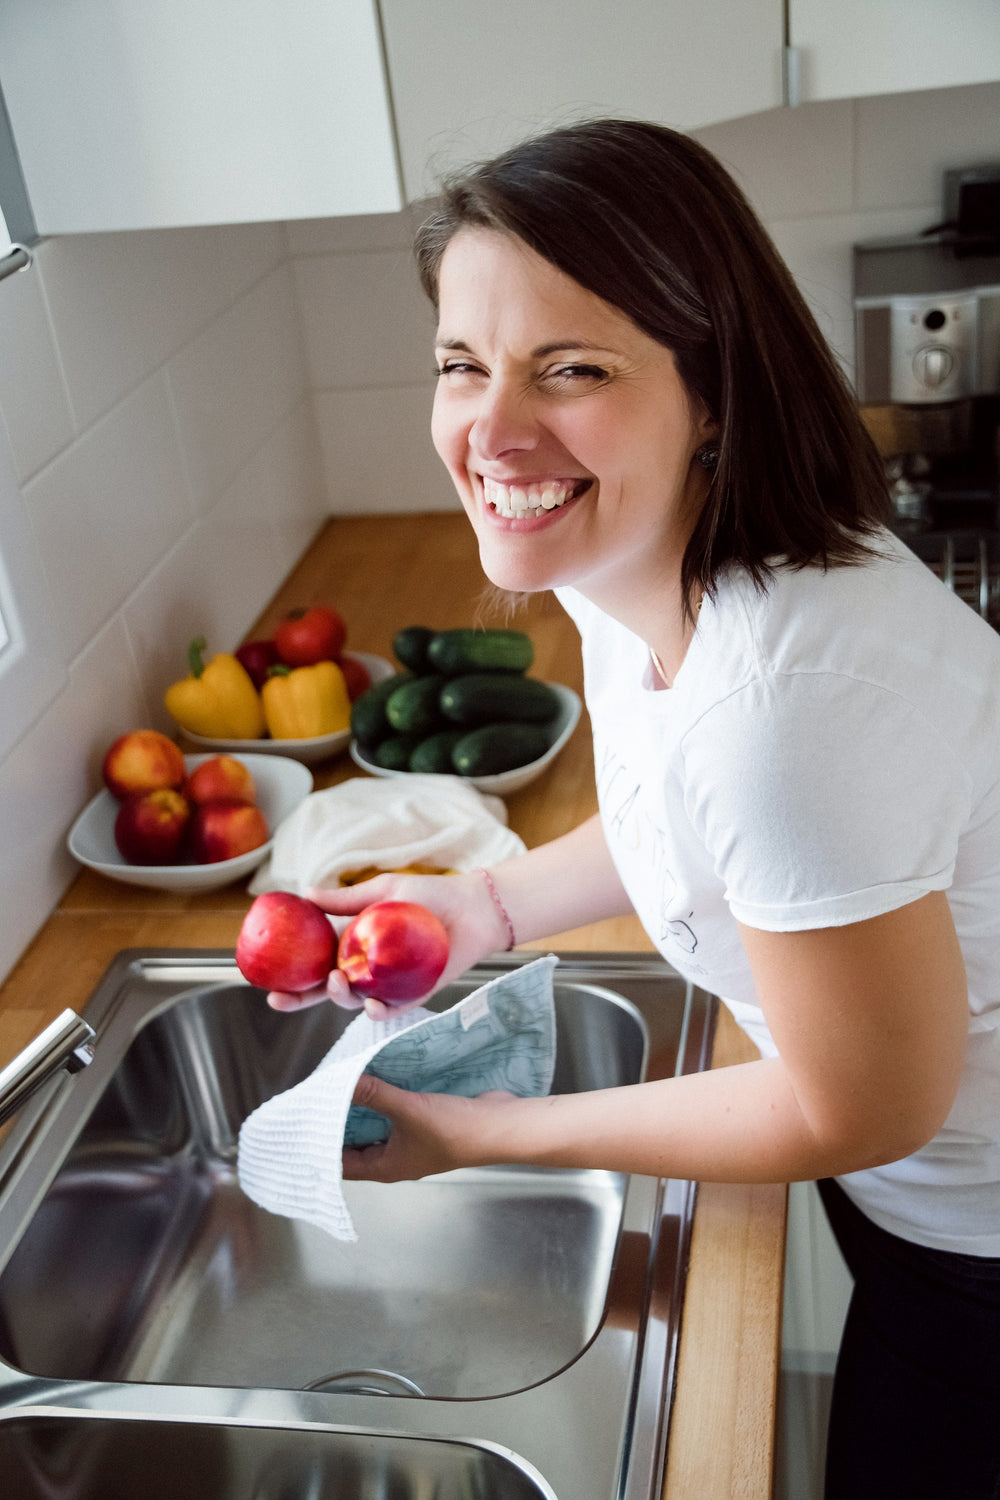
x,y
470,77
139,115
858,47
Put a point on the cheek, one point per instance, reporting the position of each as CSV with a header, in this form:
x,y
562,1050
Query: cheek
x,y
446,434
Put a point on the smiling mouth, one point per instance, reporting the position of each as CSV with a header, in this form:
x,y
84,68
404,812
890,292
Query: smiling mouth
x,y
524,501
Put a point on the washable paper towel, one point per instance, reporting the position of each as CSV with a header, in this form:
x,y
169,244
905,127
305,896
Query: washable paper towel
x,y
414,819
502,1036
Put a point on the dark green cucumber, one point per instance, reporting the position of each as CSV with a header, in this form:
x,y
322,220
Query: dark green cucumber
x,y
433,755
488,697
493,748
393,754
410,647
414,708
456,651
369,724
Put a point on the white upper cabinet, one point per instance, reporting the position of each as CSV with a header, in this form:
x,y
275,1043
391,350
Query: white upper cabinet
x,y
138,114
470,77
851,48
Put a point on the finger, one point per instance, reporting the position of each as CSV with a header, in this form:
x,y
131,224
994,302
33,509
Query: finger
x,y
348,900
283,1001
339,991
363,1163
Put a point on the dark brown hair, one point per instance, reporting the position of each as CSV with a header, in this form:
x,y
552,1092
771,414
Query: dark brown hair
x,y
648,220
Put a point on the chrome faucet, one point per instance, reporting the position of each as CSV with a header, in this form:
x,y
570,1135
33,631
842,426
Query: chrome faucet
x,y
66,1043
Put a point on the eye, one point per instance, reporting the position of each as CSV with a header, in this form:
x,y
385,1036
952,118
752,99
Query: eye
x,y
578,375
458,369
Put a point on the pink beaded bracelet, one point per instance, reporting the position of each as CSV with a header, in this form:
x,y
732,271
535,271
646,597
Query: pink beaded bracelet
x,y
495,897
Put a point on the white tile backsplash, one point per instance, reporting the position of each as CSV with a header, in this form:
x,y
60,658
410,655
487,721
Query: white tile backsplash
x,y
123,303
107,509
366,320
377,451
185,407
33,394
237,381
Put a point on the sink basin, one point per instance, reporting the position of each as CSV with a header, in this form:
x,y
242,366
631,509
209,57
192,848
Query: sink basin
x,y
513,1322
146,1261
100,1458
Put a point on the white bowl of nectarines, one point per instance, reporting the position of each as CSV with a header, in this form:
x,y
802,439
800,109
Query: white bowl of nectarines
x,y
280,784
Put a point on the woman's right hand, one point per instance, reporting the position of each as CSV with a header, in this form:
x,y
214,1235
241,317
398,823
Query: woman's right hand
x,y
463,904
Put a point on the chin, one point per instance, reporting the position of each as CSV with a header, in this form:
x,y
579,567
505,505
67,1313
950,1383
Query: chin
x,y
513,574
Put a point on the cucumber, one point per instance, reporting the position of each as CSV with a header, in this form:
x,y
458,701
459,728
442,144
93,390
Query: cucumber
x,y
410,647
414,708
393,754
493,748
488,697
368,721
456,651
433,755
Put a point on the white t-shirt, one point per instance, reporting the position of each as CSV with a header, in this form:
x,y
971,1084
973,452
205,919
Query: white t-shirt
x,y
829,751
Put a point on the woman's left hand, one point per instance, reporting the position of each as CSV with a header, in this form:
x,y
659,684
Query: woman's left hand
x,y
430,1132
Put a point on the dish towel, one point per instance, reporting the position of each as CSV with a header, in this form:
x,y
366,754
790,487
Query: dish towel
x,y
502,1036
433,820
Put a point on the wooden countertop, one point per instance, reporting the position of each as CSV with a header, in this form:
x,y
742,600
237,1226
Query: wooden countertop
x,y
383,573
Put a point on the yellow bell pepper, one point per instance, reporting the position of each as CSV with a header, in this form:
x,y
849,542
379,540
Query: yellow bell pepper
x,y
218,700
303,702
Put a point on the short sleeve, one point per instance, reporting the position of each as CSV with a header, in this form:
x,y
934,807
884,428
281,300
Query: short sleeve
x,y
823,800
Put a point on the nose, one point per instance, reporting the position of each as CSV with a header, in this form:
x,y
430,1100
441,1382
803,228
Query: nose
x,y
505,421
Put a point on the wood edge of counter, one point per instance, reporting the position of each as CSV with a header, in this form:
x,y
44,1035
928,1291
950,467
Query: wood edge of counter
x,y
722,1425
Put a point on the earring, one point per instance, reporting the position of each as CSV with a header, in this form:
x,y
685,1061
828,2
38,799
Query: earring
x,y
708,455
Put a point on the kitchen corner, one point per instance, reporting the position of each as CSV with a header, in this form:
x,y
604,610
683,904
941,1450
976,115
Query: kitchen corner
x,y
383,572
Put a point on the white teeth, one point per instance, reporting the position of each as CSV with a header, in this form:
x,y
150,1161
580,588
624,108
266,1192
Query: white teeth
x,y
514,501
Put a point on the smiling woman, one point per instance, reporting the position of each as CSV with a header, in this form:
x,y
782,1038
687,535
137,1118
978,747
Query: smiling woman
x,y
795,729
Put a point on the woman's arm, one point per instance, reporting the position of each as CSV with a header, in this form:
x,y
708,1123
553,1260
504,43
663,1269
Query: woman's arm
x,y
870,1019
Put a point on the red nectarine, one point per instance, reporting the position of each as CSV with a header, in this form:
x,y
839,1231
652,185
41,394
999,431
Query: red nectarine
x,y
285,943
224,830
150,829
142,761
393,951
222,778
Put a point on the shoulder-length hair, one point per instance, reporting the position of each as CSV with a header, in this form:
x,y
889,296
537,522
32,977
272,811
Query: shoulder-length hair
x,y
649,220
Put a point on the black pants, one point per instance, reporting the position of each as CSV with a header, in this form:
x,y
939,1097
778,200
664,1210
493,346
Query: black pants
x,y
916,1400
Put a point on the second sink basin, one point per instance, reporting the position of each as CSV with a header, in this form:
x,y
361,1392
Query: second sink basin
x,y
98,1458
144,1260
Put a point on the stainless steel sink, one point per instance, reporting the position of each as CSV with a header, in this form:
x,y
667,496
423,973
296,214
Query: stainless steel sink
x,y
105,1458
496,1317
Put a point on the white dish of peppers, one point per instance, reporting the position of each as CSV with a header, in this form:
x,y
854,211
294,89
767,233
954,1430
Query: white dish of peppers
x,y
309,751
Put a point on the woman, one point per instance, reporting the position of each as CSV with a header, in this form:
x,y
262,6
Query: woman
x,y
795,731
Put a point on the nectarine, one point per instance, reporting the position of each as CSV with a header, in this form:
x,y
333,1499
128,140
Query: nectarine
x,y
142,761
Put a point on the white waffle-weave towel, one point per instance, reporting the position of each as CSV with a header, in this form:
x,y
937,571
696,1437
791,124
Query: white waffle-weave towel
x,y
502,1036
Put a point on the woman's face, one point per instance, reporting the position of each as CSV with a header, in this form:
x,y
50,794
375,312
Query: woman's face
x,y
566,430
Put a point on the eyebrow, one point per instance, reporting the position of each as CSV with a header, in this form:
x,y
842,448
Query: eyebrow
x,y
557,346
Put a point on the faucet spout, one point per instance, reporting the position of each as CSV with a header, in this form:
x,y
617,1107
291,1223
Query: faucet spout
x,y
66,1043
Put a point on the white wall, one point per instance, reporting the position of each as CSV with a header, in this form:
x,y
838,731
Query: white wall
x,y
154,408
182,407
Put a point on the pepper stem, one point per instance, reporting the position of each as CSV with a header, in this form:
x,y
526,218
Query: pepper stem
x,y
196,658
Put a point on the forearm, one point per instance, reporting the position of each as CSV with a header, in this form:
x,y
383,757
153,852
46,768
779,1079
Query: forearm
x,y
565,883
736,1124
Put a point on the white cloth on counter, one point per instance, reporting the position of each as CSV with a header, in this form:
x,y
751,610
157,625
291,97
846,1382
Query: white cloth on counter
x,y
436,820
502,1036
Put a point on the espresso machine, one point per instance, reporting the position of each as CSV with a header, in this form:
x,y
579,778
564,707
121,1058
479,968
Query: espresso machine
x,y
927,322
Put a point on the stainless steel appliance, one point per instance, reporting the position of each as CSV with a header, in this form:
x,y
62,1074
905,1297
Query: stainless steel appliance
x,y
927,319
